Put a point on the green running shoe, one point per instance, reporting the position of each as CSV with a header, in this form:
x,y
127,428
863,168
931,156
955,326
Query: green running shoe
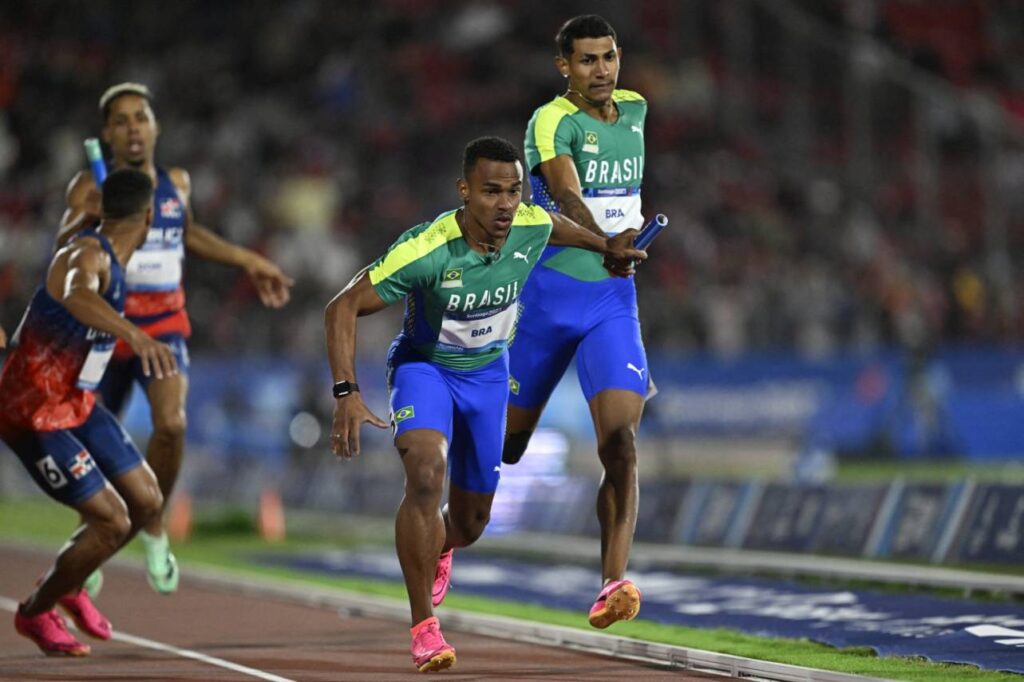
x,y
161,566
94,583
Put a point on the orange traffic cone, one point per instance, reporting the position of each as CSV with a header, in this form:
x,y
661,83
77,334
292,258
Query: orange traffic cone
x,y
270,520
179,518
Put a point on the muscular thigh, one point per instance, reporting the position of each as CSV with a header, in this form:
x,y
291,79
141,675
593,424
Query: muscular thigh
x,y
167,395
612,357
59,463
478,427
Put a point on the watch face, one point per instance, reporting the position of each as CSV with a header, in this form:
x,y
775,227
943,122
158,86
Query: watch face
x,y
342,389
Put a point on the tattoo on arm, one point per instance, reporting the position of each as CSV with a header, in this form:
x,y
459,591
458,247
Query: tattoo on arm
x,y
572,207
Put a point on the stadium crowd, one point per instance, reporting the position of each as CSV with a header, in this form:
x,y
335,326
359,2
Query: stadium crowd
x,y
316,131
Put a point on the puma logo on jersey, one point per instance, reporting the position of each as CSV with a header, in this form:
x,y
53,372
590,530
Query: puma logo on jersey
x,y
520,254
639,370
637,129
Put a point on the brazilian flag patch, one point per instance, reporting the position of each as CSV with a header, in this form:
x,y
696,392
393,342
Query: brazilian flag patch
x,y
404,413
513,385
590,142
452,278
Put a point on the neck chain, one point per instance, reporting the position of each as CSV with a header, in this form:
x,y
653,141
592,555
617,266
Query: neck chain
x,y
596,105
464,224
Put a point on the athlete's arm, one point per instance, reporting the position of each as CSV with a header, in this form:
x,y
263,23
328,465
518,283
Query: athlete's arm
x,y
84,207
618,251
272,285
358,298
3,338
564,184
87,269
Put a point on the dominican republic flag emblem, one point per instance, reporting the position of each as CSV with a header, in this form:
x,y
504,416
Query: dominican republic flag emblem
x,y
81,465
170,208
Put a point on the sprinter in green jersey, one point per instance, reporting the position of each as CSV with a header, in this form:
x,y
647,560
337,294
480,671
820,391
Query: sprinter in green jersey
x,y
461,276
585,157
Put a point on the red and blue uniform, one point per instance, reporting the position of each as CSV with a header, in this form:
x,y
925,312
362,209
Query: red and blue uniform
x,y
156,295
48,411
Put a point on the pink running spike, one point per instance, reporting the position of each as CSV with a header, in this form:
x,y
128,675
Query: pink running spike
x,y
619,600
442,577
50,633
85,614
429,650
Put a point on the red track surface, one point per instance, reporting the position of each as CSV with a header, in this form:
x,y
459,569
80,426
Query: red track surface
x,y
287,640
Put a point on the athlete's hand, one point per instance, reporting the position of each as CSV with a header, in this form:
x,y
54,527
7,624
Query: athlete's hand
x,y
621,256
157,358
349,414
272,285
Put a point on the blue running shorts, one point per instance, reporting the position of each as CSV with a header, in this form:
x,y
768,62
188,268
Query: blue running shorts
x,y
72,465
122,372
561,316
467,406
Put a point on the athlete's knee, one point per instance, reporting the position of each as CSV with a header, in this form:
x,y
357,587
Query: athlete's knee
x,y
470,526
424,475
618,448
515,446
146,506
169,424
111,527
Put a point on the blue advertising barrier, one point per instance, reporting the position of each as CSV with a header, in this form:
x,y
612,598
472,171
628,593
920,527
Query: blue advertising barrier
x,y
956,402
989,635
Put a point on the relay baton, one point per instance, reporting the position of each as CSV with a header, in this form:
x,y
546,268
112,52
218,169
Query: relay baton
x,y
95,156
650,231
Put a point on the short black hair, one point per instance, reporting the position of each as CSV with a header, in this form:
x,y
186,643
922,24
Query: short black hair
x,y
126,192
583,26
493,148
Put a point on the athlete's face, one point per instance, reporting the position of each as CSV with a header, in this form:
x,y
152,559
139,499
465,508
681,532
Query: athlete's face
x,y
592,68
131,130
492,193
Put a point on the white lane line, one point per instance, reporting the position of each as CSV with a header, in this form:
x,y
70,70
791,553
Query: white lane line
x,y
12,605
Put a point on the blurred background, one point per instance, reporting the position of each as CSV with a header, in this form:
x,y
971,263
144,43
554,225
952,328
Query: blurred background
x,y
840,289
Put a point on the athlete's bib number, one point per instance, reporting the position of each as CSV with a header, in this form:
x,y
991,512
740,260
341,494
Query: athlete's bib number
x,y
51,472
460,335
95,364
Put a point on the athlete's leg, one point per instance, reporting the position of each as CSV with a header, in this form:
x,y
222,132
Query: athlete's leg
x,y
612,367
537,361
520,424
419,527
465,516
167,442
616,415
64,468
114,390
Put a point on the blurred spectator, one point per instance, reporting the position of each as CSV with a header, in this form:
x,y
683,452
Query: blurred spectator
x,y
319,130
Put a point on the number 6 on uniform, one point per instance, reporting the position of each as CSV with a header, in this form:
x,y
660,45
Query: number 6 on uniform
x,y
51,472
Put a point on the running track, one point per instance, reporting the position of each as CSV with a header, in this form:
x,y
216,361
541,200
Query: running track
x,y
204,634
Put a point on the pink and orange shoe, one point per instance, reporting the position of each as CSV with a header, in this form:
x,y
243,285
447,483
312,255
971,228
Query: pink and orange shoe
x,y
85,614
442,578
50,633
429,650
619,600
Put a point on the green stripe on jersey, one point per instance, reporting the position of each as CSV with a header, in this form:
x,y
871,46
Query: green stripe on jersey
x,y
461,306
609,160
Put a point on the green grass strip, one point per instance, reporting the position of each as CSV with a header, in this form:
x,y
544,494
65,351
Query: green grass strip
x,y
228,543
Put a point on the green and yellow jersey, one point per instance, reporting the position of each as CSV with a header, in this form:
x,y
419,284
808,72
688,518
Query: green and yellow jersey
x,y
460,305
609,159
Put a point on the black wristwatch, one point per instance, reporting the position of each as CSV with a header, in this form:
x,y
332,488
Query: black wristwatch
x,y
343,388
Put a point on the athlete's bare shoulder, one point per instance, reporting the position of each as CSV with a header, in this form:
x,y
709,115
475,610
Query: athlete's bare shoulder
x,y
182,181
